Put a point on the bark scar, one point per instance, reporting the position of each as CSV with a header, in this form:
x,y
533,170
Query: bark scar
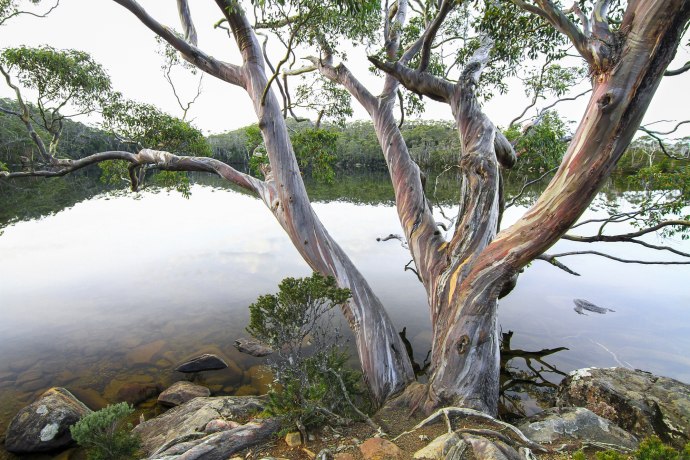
x,y
462,344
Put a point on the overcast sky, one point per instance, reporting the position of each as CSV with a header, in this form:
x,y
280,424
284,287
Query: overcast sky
x,y
127,50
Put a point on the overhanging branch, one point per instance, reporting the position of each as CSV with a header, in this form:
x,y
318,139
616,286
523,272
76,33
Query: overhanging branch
x,y
620,259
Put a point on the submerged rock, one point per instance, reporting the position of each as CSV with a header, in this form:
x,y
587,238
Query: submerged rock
x,y
205,362
181,392
144,354
253,348
44,425
574,424
637,401
131,392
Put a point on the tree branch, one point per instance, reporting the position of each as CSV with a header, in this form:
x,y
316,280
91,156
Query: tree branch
x,y
552,260
431,32
557,18
25,116
630,237
219,69
618,259
419,82
527,184
660,142
341,74
564,99
681,70
187,23
160,160
36,15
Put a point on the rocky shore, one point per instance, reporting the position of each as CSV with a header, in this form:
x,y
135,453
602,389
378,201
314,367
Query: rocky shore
x,y
594,409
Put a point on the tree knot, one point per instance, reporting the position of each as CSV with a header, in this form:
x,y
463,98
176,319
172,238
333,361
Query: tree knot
x,y
462,344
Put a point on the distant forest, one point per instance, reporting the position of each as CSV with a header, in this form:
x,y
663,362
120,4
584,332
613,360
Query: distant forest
x,y
432,144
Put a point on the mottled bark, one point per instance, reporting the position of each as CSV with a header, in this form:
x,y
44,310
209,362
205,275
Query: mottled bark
x,y
626,68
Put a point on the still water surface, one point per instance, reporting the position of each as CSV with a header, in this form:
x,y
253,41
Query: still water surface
x,y
119,289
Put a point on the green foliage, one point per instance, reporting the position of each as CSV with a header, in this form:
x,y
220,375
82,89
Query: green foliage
x,y
650,449
306,390
315,152
542,146
553,79
149,127
322,22
59,76
331,101
173,180
283,319
432,144
309,368
106,434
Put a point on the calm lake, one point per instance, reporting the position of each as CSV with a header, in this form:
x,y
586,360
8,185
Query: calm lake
x,y
119,288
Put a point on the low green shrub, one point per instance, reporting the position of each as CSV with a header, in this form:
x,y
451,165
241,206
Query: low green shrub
x,y
106,434
650,449
313,383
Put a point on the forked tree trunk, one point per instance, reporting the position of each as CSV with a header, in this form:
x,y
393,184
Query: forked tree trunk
x,y
465,365
465,276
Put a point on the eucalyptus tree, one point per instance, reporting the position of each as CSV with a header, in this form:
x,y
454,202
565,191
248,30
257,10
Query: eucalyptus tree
x,y
464,275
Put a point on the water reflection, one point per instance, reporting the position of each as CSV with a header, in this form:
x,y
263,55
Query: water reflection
x,y
96,286
528,381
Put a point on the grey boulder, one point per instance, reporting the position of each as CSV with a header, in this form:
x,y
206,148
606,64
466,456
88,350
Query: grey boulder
x,y
573,425
637,401
43,425
187,422
205,362
181,392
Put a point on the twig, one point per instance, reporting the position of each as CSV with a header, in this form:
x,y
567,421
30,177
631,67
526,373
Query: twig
x,y
618,259
364,416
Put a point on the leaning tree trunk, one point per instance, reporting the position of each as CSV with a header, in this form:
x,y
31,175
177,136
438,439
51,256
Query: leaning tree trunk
x,y
387,368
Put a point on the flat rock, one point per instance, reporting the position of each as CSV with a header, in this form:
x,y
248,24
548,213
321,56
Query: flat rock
x,y
438,448
44,424
220,446
479,447
181,392
639,402
253,348
568,424
188,421
205,362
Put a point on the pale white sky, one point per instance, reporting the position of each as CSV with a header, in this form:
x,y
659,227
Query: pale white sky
x,y
127,49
